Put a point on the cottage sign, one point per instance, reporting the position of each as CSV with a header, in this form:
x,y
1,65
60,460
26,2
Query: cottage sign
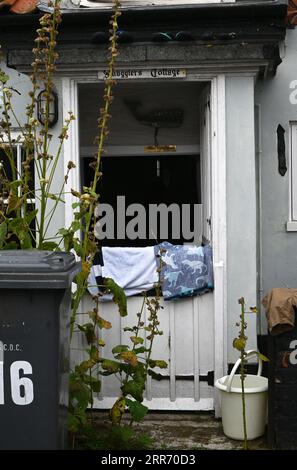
x,y
153,73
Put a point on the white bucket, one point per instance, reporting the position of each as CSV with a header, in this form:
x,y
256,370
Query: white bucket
x,y
255,388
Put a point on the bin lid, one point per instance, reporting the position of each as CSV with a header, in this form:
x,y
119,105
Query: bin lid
x,y
37,269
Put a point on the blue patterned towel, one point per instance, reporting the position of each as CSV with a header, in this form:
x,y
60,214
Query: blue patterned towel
x,y
188,270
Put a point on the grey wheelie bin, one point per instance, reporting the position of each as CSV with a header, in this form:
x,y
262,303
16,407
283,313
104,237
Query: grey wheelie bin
x,y
35,297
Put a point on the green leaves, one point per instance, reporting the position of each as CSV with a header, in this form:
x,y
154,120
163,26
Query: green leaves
x,y
160,364
264,358
85,366
74,423
118,410
141,350
137,410
154,375
75,193
136,339
254,309
14,202
56,198
120,348
129,357
3,77
119,296
99,321
88,330
3,233
10,246
239,344
103,323
75,225
50,246
30,216
19,228
68,236
110,366
79,392
134,389
94,383
26,240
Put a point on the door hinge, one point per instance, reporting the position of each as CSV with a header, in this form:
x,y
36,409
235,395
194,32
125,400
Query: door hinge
x,y
209,378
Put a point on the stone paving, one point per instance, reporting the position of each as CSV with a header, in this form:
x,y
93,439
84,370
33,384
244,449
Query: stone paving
x,y
187,431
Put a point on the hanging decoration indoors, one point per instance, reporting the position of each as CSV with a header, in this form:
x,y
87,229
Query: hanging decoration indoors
x,y
157,118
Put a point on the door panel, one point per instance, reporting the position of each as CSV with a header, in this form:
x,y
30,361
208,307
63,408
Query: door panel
x,y
186,345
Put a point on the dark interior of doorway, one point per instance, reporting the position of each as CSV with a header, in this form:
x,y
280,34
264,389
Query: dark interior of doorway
x,y
148,179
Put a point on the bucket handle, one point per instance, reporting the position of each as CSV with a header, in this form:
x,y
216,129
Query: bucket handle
x,y
249,355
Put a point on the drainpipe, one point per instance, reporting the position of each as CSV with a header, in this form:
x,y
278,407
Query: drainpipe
x,y
258,154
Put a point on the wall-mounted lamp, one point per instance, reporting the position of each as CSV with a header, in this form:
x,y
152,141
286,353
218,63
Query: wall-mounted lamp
x,y
53,113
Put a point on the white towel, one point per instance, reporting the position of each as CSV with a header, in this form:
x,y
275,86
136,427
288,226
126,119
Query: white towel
x,y
133,269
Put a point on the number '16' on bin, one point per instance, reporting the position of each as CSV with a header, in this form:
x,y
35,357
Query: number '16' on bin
x,y
21,388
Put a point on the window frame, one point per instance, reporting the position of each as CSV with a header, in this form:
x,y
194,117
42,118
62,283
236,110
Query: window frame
x,y
292,219
17,138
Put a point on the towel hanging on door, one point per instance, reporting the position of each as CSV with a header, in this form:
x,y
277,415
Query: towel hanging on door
x,y
133,269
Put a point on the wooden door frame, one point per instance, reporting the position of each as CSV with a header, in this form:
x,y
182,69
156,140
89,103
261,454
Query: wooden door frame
x,y
69,86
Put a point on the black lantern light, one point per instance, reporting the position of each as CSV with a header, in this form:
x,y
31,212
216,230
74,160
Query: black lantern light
x,y
53,114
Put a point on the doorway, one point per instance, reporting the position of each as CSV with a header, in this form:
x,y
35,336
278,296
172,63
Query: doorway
x,y
195,344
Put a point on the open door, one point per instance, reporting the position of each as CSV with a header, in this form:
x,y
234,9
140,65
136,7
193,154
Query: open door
x,y
205,158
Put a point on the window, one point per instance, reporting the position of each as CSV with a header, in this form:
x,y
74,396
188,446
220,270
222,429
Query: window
x,y
18,155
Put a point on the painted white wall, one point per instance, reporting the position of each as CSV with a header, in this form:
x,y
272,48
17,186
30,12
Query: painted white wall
x,y
21,83
59,218
279,255
241,206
